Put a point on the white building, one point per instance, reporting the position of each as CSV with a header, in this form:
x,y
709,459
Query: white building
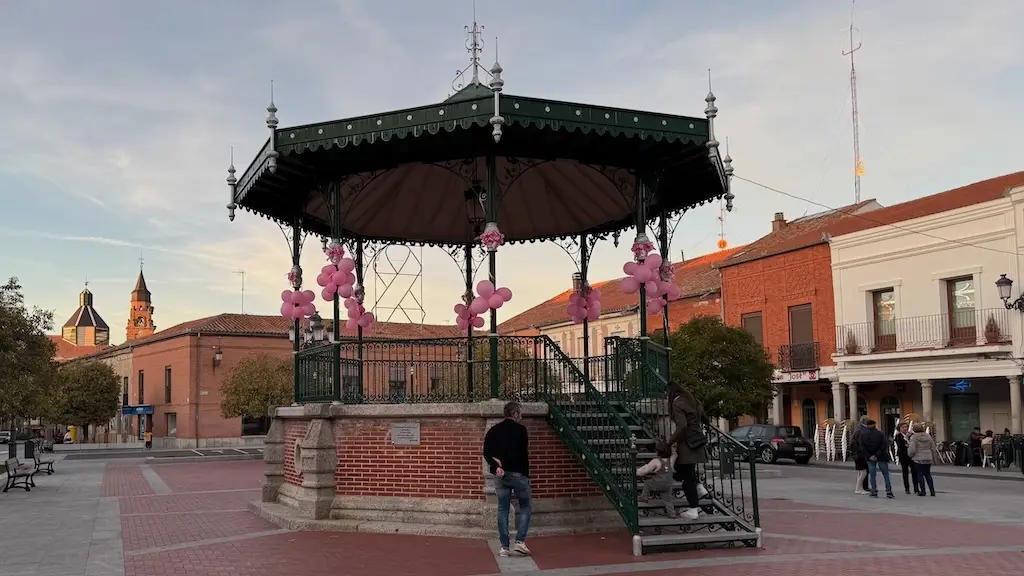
x,y
920,325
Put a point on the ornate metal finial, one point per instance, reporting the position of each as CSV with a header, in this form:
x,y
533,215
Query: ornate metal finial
x,y
496,86
232,181
272,124
475,44
727,162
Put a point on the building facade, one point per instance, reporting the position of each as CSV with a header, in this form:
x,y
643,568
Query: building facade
x,y
140,311
920,326
779,288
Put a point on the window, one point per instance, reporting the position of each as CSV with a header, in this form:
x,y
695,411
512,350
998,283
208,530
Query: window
x,y
436,374
397,381
801,324
740,433
754,325
809,415
885,319
579,347
172,425
255,426
142,388
962,299
167,384
124,392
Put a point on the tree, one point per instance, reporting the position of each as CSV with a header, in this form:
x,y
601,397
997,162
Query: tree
x,y
87,393
255,386
26,356
724,367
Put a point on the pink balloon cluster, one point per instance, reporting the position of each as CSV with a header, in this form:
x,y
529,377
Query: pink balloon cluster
x,y
656,280
297,303
358,317
584,306
489,298
337,279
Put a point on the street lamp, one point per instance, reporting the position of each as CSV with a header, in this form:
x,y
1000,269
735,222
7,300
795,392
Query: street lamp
x,y
316,327
1003,284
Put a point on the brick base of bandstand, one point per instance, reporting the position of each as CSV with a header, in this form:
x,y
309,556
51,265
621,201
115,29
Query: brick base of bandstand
x,y
416,469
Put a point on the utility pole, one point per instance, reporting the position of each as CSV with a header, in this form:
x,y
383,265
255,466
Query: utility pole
x,y
858,166
242,274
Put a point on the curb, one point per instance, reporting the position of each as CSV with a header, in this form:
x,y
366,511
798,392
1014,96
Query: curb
x,y
1008,475
221,458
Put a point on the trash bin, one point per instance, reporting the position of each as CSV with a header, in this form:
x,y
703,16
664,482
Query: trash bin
x,y
30,450
726,458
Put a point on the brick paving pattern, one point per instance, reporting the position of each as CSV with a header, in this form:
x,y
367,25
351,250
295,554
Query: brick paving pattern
x,y
202,528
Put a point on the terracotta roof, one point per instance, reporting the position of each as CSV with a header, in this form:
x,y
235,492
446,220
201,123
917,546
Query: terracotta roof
x,y
64,350
695,277
977,193
800,233
86,315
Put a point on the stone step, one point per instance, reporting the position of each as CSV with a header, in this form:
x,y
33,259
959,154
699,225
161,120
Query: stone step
x,y
702,520
606,441
676,503
587,428
693,538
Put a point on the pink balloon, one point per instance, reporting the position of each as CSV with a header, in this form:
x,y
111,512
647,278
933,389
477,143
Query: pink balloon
x,y
653,260
350,278
352,324
629,268
479,305
505,294
345,290
462,323
465,314
299,313
346,265
286,310
495,301
576,300
655,306
286,296
459,308
327,295
322,279
297,297
328,270
365,320
674,292
663,286
593,314
308,309
642,274
578,319
594,293
485,288
354,312
572,310
338,278
651,289
308,296
350,303
629,285
478,322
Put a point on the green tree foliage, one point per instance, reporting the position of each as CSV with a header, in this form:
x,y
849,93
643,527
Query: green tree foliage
x,y
26,356
255,386
87,393
521,376
724,367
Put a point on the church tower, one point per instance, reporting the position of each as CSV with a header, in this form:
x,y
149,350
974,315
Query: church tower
x,y
140,316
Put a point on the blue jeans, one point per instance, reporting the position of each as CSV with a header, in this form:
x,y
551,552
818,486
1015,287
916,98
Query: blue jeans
x,y
504,486
883,467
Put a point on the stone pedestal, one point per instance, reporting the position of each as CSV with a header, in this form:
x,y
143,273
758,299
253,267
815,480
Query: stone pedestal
x,y
273,457
317,463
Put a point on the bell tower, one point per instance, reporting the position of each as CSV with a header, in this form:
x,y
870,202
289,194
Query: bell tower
x,y
140,316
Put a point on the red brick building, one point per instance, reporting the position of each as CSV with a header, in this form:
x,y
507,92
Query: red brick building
x,y
779,288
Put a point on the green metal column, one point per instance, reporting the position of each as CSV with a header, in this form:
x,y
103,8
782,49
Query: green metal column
x,y
664,248
491,209
296,326
469,329
336,392
641,230
359,329
586,322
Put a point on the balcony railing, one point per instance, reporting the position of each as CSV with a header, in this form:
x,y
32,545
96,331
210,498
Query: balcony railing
x,y
798,357
961,328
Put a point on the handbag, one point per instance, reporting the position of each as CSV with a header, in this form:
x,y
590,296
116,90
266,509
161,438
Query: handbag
x,y
695,439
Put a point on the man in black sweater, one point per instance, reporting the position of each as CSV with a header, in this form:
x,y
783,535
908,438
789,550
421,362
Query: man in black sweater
x,y
875,447
507,452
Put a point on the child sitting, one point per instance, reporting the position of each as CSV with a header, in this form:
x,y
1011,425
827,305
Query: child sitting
x,y
659,472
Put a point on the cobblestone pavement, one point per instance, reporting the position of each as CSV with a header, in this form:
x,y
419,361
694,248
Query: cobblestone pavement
x,y
136,519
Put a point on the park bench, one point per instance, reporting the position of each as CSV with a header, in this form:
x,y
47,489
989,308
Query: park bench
x,y
16,471
43,464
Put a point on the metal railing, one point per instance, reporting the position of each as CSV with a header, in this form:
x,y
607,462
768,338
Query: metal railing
x,y
967,327
799,357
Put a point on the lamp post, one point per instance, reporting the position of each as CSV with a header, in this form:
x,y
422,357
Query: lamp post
x,y
1003,284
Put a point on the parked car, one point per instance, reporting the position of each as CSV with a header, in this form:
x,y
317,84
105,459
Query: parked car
x,y
5,436
786,442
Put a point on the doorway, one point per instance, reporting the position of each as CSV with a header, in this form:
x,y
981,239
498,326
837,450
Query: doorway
x,y
890,411
962,415
809,417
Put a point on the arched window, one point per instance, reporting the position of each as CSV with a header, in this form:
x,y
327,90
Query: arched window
x,y
890,413
809,416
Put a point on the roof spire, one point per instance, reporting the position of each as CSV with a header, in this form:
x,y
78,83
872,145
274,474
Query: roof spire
x,y
475,44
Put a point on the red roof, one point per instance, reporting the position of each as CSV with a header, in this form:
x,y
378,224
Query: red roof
x,y
64,350
695,277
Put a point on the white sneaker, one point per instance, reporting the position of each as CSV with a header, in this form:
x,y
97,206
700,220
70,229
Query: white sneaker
x,y
690,514
701,491
521,548
503,552
860,492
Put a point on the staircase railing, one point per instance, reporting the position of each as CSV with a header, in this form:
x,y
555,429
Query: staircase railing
x,y
730,473
589,426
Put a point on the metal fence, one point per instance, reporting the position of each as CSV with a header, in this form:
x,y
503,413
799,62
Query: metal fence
x,y
967,327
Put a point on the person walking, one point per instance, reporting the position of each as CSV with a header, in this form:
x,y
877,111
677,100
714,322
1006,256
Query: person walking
x,y
921,448
860,462
507,452
690,443
907,465
874,446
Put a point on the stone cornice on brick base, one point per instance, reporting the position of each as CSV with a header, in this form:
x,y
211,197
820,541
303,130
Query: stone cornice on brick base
x,y
486,409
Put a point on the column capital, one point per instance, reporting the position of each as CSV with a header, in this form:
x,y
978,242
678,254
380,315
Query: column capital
x,y
851,385
1014,378
925,383
837,387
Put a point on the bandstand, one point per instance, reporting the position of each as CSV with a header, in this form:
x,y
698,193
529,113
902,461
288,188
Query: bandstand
x,y
386,434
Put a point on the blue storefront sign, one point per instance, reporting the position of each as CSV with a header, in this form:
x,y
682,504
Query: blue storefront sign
x,y
136,410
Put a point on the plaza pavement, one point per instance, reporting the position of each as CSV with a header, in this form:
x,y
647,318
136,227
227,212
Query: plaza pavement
x,y
127,517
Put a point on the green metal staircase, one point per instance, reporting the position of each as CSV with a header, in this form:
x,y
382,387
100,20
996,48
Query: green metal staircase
x,y
614,429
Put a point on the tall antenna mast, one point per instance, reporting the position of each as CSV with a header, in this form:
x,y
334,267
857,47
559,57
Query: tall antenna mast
x,y
858,167
242,274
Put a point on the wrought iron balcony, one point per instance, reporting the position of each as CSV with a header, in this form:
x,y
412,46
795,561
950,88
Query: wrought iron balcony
x,y
798,357
962,328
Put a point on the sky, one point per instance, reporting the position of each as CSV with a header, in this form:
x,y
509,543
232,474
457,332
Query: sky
x,y
119,117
